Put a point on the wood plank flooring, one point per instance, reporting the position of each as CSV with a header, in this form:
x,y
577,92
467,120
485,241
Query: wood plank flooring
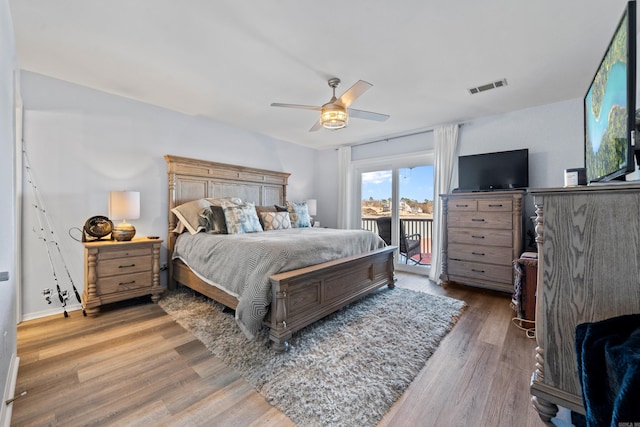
x,y
133,365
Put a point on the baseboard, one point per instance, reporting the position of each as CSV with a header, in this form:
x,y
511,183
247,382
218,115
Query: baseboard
x,y
51,312
9,392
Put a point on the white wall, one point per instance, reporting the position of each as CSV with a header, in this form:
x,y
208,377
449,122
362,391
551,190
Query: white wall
x,y
553,134
8,234
83,143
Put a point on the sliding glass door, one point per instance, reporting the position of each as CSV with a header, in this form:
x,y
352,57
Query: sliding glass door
x,y
397,203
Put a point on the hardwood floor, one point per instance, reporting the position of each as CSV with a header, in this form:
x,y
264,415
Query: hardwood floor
x,y
133,365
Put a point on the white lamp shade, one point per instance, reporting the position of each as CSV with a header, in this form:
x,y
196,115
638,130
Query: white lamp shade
x,y
124,205
312,206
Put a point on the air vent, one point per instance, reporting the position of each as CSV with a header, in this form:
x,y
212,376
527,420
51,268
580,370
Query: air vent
x,y
488,86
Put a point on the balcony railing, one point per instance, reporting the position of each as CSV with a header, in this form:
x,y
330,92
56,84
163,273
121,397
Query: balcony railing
x,y
421,226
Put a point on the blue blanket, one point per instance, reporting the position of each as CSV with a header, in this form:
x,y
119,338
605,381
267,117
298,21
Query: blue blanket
x,y
608,356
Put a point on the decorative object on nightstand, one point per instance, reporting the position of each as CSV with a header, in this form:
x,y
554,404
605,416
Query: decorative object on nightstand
x,y
124,205
312,207
116,271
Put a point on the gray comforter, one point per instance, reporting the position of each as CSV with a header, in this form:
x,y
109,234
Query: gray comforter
x,y
242,263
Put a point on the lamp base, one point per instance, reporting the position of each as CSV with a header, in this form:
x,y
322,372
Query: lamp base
x,y
123,232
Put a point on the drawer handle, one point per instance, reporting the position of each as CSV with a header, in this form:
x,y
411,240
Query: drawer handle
x,y
126,266
478,237
477,271
127,283
462,206
477,253
496,206
477,219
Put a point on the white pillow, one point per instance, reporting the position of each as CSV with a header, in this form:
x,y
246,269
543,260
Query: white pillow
x,y
189,214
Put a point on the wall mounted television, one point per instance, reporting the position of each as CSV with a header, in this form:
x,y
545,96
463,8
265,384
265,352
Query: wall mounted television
x,y
609,107
501,170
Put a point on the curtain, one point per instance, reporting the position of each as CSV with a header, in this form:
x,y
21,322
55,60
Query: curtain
x,y
345,188
446,145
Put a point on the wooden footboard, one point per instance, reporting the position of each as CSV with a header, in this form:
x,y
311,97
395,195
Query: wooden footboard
x,y
301,297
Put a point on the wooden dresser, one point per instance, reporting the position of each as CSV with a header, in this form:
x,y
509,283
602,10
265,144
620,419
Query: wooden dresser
x,y
482,238
588,268
116,271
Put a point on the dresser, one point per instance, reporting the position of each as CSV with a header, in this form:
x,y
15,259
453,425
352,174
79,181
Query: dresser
x,y
116,271
588,268
482,238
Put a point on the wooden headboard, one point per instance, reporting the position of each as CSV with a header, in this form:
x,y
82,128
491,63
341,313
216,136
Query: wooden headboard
x,y
192,179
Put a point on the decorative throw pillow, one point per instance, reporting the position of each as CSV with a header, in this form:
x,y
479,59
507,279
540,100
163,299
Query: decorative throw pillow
x,y
189,214
261,209
275,220
241,218
299,214
213,220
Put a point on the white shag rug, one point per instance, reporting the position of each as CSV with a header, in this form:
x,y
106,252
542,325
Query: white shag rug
x,y
344,370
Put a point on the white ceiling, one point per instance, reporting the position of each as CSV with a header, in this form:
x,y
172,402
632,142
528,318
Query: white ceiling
x,y
229,60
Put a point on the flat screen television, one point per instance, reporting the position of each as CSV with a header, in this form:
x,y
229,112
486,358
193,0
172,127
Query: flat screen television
x,y
609,106
501,170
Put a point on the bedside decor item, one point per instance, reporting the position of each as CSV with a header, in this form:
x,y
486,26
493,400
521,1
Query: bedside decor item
x,y
124,205
97,228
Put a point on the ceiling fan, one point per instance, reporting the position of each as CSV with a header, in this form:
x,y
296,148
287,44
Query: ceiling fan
x,y
335,113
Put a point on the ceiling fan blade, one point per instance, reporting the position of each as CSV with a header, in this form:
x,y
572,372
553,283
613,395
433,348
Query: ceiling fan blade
x,y
361,114
354,92
316,126
304,107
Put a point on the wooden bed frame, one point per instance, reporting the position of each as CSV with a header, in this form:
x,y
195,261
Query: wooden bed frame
x,y
299,297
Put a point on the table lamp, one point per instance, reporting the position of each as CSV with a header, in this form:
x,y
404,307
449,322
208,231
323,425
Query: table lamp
x,y
124,205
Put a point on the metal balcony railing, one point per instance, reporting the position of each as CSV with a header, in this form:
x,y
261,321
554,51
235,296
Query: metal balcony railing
x,y
421,226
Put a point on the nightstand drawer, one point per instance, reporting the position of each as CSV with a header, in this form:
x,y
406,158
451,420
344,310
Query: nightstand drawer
x,y
116,271
122,252
114,284
119,266
478,236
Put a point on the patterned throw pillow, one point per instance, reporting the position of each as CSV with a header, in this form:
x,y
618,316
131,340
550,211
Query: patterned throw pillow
x,y
241,218
299,214
276,220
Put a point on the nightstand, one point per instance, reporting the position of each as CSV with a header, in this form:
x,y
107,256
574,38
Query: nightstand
x,y
116,271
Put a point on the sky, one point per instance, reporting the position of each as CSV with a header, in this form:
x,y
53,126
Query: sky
x,y
415,183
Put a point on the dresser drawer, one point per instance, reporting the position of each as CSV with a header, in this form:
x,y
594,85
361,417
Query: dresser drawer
x,y
478,271
127,282
495,205
466,205
480,236
119,266
483,254
122,252
502,220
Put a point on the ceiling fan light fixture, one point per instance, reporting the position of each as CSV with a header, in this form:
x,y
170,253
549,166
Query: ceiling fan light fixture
x,y
334,116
